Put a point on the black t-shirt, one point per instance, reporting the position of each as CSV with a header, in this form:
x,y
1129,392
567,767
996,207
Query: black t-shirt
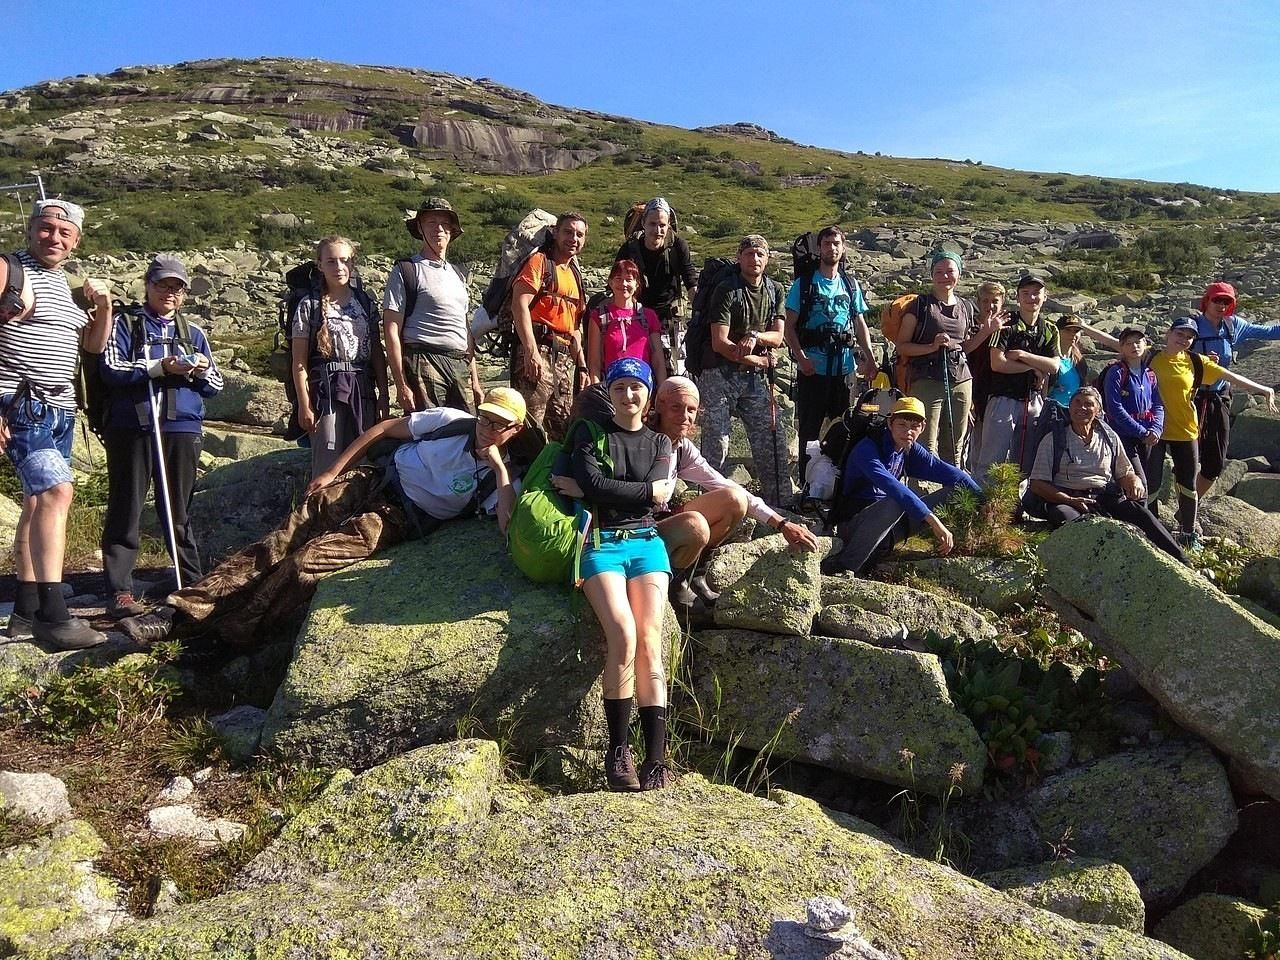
x,y
663,272
1042,339
621,497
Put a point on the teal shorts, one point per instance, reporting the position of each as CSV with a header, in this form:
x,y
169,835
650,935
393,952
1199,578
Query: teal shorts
x,y
632,553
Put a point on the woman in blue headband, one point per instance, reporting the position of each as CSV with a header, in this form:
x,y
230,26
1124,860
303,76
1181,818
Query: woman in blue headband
x,y
625,570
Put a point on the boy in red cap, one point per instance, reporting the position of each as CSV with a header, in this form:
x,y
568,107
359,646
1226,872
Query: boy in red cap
x,y
1218,331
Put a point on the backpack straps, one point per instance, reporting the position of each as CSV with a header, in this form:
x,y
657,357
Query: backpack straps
x,y
409,278
1197,367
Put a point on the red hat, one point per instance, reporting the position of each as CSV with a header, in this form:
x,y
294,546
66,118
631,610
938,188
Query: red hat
x,y
1219,289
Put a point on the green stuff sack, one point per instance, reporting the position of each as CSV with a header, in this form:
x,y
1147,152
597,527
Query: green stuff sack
x,y
546,529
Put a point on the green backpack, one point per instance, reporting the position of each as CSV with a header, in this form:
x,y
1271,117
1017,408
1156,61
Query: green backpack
x,y
547,529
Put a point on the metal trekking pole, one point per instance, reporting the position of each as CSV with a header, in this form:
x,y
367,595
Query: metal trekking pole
x,y
946,392
771,381
163,474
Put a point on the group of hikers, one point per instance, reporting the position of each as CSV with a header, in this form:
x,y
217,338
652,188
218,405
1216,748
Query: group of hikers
x,y
613,382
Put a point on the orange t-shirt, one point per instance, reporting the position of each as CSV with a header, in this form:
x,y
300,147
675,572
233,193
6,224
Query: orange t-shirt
x,y
558,308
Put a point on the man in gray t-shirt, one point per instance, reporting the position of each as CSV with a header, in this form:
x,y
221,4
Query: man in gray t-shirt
x,y
429,352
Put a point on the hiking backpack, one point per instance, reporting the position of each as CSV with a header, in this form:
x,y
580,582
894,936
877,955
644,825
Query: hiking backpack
x,y
1099,382
547,529
306,281
699,356
92,393
868,417
492,328
806,259
897,365
1034,505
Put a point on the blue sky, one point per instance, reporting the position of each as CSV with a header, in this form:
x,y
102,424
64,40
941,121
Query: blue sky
x,y
1179,90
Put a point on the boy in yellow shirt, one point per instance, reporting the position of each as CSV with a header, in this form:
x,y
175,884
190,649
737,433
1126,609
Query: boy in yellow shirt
x,y
1178,376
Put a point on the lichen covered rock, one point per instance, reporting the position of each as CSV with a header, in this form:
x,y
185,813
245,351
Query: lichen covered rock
x,y
1161,813
1213,666
388,813
402,649
237,504
851,622
764,585
1260,581
843,704
917,610
1256,433
1211,927
1090,891
1261,490
692,871
50,894
1242,522
997,583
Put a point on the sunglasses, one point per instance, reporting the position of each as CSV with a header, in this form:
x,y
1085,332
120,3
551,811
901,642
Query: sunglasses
x,y
1222,301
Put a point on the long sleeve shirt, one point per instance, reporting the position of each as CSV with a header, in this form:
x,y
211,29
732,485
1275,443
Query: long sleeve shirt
x,y
876,469
691,466
1222,340
1132,402
620,494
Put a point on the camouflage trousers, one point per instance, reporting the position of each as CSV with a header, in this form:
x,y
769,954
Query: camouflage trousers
x,y
438,379
728,391
339,525
550,399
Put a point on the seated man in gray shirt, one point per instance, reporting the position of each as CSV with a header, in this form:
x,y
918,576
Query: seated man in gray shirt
x,y
1081,468
424,313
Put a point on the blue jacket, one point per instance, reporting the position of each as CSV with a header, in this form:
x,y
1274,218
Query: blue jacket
x,y
1132,403
1223,340
126,369
875,470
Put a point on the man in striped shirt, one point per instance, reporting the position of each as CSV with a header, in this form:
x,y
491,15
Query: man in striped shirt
x,y
39,352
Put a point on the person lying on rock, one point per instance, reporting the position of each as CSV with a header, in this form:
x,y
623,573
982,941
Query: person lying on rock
x,y
445,465
701,524
1083,469
625,569
876,509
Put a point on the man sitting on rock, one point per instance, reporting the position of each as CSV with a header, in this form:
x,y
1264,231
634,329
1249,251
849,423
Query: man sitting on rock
x,y
446,465
1083,469
876,509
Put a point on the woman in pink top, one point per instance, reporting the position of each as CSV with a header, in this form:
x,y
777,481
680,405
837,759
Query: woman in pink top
x,y
621,327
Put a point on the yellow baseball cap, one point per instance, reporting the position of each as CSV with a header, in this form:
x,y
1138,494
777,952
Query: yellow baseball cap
x,y
908,407
504,402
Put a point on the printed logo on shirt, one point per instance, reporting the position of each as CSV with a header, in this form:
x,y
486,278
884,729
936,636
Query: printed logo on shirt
x,y
463,483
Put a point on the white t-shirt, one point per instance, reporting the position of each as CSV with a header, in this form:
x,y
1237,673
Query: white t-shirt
x,y
441,476
440,315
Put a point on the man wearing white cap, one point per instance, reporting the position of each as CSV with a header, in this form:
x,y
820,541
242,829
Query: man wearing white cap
x,y
39,353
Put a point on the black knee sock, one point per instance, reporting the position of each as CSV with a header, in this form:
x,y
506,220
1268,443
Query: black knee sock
x,y
618,715
53,607
653,724
27,601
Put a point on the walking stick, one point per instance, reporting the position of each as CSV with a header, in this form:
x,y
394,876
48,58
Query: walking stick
x,y
163,474
946,392
771,379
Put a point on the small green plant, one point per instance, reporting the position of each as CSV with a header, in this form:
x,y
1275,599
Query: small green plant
x,y
983,525
945,843
1264,942
1222,561
128,695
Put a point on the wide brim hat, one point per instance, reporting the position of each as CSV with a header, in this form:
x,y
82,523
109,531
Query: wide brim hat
x,y
434,205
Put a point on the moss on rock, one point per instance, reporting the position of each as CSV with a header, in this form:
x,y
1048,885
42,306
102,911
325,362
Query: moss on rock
x,y
390,812
997,583
695,871
766,586
843,704
1213,666
1242,522
917,610
436,636
236,504
1211,927
851,622
1162,813
50,895
1090,891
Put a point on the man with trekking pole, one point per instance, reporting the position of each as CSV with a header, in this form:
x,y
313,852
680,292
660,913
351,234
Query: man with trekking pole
x,y
158,370
746,315
824,320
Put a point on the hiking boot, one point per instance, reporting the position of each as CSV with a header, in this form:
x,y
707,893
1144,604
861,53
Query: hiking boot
x,y
19,628
655,776
124,605
149,627
1189,542
620,770
73,634
680,593
703,589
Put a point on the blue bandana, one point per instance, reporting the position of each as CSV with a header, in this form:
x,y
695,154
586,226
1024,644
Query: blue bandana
x,y
629,367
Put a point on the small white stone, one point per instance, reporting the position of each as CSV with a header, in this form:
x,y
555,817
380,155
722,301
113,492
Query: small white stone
x,y
176,790
181,822
41,797
200,776
827,913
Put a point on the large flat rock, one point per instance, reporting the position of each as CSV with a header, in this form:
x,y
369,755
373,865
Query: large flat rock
x,y
1211,664
696,870
842,704
434,636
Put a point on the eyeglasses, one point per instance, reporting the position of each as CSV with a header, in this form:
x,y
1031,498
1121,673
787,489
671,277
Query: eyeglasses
x,y
1221,301
175,287
494,424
